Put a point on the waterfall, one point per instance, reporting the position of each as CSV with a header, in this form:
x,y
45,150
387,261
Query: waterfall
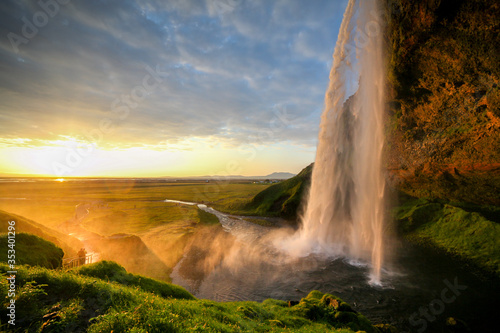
x,y
344,212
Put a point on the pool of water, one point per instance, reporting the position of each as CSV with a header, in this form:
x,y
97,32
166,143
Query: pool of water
x,y
419,291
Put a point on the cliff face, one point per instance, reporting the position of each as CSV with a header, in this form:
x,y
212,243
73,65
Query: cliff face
x,y
444,100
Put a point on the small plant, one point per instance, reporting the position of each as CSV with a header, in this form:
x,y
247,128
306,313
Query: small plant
x,y
29,301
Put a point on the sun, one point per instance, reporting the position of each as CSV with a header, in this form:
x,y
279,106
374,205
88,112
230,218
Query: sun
x,y
69,157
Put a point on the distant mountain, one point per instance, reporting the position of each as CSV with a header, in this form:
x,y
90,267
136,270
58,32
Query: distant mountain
x,y
279,175
274,175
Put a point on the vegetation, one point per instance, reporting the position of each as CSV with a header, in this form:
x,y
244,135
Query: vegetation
x,y
32,250
444,149
24,225
131,252
207,218
283,199
112,272
103,297
121,206
465,234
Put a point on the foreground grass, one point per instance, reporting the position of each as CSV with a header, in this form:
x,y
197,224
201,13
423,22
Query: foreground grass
x,y
104,298
460,232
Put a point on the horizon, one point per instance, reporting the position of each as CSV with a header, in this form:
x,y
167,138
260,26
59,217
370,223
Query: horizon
x,y
3,175
141,89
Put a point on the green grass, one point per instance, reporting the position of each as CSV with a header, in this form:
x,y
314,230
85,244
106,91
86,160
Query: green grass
x,y
466,234
207,218
31,250
104,298
138,217
111,271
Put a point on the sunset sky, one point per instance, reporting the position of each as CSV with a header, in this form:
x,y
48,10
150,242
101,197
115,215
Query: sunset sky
x,y
163,88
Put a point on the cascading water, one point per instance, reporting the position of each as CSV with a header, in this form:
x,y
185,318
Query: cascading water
x,y
344,214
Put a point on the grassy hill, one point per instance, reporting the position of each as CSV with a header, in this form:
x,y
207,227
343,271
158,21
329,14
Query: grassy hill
x,y
103,297
131,252
462,230
283,199
23,225
32,250
128,250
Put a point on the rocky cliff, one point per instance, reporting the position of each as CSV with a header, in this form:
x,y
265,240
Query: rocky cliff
x,y
444,100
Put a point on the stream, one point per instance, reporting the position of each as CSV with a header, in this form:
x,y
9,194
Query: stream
x,y
420,291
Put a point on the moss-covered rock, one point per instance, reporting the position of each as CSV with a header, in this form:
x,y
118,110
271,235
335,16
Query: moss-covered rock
x,y
330,309
444,121
468,235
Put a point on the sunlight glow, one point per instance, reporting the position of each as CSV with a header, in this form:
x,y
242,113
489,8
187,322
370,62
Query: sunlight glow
x,y
190,157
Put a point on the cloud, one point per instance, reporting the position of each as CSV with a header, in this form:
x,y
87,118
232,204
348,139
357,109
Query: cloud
x,y
227,67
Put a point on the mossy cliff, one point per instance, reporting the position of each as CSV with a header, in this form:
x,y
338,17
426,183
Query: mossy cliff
x,y
444,98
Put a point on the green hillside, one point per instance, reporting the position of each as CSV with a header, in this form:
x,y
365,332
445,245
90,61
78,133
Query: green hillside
x,y
23,225
31,250
463,232
283,199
